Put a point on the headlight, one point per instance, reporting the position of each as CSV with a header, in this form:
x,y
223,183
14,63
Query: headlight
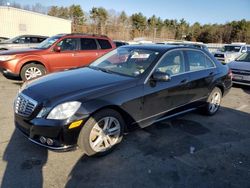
x,y
6,57
64,110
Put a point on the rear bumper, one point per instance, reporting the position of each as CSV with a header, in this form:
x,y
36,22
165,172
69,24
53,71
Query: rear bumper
x,y
242,82
242,79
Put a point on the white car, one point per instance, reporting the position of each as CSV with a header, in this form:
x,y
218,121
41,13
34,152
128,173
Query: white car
x,y
23,41
230,52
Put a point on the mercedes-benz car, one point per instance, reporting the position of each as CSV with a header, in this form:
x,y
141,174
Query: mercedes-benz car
x,y
134,85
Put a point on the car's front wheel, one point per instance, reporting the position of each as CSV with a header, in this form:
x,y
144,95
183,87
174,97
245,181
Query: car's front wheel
x,y
31,71
101,132
213,101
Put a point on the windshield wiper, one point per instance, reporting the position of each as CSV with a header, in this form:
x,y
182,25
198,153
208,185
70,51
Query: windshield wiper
x,y
101,69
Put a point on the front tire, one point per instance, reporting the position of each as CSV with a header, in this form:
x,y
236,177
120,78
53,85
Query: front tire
x,y
31,71
213,102
101,133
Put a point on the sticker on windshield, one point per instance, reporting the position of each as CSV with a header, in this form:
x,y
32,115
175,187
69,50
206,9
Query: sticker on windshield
x,y
140,56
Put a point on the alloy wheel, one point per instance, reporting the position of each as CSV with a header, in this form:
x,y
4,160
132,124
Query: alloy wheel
x,y
105,134
215,102
32,72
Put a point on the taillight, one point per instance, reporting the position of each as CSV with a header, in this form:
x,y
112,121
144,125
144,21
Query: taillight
x,y
230,74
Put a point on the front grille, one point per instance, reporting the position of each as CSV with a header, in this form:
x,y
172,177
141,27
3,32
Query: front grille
x,y
24,105
240,72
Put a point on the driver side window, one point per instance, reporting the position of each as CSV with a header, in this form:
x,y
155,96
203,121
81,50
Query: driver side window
x,y
172,63
68,44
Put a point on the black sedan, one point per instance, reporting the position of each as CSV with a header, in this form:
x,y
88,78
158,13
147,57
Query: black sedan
x,y
241,69
138,85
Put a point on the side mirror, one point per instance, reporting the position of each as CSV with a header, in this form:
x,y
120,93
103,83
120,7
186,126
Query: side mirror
x,y
244,51
57,48
161,76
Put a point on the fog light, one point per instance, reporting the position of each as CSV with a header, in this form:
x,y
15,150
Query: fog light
x,y
42,139
50,142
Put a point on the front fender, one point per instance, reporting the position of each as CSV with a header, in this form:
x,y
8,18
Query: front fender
x,y
31,58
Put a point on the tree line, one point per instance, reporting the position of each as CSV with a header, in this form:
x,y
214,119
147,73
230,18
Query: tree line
x,y
119,25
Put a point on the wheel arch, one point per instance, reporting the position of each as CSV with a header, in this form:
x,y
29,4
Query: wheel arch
x,y
32,61
221,88
127,118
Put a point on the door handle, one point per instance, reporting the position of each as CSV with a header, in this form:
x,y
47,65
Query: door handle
x,y
184,81
211,73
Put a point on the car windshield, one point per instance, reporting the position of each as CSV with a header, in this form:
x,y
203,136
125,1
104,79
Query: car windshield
x,y
12,39
126,61
244,57
48,42
231,49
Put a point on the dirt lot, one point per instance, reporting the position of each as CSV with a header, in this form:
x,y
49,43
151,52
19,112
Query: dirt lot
x,y
190,151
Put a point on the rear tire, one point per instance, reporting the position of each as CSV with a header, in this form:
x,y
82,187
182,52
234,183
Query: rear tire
x,y
213,102
31,71
101,133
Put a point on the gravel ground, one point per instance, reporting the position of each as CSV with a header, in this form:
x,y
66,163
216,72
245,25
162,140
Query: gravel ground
x,y
190,151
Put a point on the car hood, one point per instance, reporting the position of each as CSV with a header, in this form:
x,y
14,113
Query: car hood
x,y
78,84
241,65
5,42
20,51
227,53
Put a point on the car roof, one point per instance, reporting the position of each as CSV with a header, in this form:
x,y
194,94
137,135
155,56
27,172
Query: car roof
x,y
33,36
82,35
162,48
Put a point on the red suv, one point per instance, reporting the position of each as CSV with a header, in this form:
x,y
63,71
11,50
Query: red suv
x,y
60,52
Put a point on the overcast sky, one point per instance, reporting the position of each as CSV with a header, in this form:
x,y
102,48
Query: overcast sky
x,y
203,11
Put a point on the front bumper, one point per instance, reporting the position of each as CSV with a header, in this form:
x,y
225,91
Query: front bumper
x,y
56,130
8,69
9,75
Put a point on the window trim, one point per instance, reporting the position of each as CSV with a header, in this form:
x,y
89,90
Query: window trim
x,y
179,49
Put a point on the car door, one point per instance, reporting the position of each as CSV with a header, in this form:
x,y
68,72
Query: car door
x,y
88,51
162,97
201,74
66,57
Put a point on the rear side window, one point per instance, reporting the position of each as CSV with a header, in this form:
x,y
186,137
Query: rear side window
x,y
105,44
198,61
88,44
34,40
